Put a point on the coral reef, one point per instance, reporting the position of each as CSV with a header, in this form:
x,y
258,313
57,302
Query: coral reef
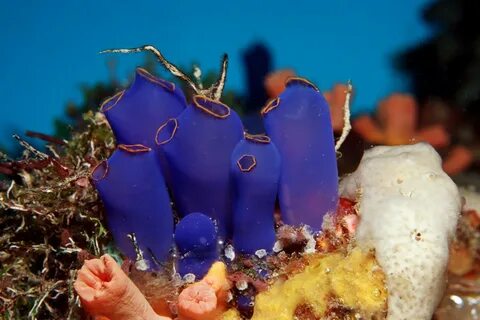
x,y
181,185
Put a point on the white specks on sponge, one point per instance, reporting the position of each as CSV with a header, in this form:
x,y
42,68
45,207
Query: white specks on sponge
x,y
408,212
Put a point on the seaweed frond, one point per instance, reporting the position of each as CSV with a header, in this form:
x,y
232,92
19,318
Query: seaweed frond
x,y
51,221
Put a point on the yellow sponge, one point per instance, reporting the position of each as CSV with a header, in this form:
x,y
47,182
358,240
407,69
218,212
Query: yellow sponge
x,y
354,281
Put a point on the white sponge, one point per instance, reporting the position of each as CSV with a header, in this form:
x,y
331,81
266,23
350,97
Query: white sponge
x,y
408,212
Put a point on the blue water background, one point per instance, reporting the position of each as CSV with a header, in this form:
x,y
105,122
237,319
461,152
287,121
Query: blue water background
x,y
48,48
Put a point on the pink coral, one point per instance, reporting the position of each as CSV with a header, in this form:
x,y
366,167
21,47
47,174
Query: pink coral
x,y
275,82
106,291
396,124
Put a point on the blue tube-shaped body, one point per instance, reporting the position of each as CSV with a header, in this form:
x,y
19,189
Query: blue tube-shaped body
x,y
132,188
196,240
255,168
136,113
299,124
245,304
198,145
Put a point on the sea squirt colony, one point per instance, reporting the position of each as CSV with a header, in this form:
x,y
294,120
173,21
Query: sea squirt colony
x,y
213,168
224,185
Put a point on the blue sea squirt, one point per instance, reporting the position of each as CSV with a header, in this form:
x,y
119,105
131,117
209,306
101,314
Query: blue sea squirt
x,y
136,112
255,167
198,145
196,240
212,166
298,122
133,191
